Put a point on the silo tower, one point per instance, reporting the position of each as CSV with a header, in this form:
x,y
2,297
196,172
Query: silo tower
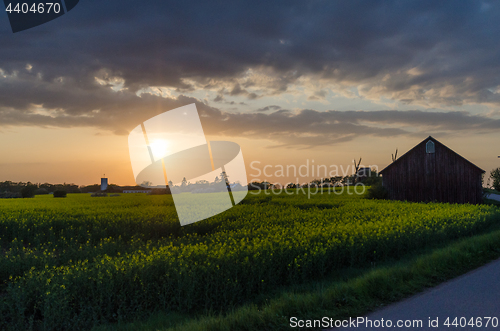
x,y
104,183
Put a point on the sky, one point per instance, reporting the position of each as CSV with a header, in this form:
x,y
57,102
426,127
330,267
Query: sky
x,y
294,83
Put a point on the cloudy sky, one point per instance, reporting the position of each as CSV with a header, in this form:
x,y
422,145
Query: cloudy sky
x,y
291,81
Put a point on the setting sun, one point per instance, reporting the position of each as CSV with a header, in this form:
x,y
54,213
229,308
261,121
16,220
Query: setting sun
x,y
159,148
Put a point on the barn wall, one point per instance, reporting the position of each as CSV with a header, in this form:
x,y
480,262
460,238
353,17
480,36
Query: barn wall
x,y
443,176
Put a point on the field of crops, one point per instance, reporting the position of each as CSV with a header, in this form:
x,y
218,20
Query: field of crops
x,y
78,262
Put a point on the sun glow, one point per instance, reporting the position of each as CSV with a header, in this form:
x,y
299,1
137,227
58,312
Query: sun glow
x,y
159,147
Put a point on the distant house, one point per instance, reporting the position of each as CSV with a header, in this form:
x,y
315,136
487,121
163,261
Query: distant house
x,y
431,171
131,189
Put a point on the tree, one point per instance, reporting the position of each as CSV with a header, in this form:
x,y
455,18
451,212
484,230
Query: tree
x,y
6,186
41,191
335,180
28,191
373,178
316,182
202,182
348,180
84,189
495,175
60,194
377,191
259,186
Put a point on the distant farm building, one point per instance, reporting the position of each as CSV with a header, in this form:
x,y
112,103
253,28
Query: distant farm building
x,y
431,171
104,184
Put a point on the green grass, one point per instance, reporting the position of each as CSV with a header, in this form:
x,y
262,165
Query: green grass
x,y
491,202
339,299
80,262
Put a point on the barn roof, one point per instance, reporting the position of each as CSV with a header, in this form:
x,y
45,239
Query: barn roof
x,y
405,155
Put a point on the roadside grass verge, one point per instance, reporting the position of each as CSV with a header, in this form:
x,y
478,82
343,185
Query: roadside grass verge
x,y
491,202
340,297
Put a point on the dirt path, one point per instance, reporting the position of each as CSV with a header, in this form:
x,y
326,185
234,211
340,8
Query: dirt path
x,y
492,196
473,295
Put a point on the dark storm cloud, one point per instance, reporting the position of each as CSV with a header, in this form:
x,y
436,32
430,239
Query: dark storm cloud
x,y
119,112
162,42
268,108
314,128
415,51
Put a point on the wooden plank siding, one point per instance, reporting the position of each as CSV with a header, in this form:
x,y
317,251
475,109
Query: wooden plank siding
x,y
442,176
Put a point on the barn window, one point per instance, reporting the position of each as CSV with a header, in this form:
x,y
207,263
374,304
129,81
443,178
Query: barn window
x,y
429,147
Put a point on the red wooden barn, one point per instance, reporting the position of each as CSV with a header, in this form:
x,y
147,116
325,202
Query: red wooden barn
x,y
431,171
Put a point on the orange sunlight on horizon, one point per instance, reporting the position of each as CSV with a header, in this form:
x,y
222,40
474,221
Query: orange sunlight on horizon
x,y
83,155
